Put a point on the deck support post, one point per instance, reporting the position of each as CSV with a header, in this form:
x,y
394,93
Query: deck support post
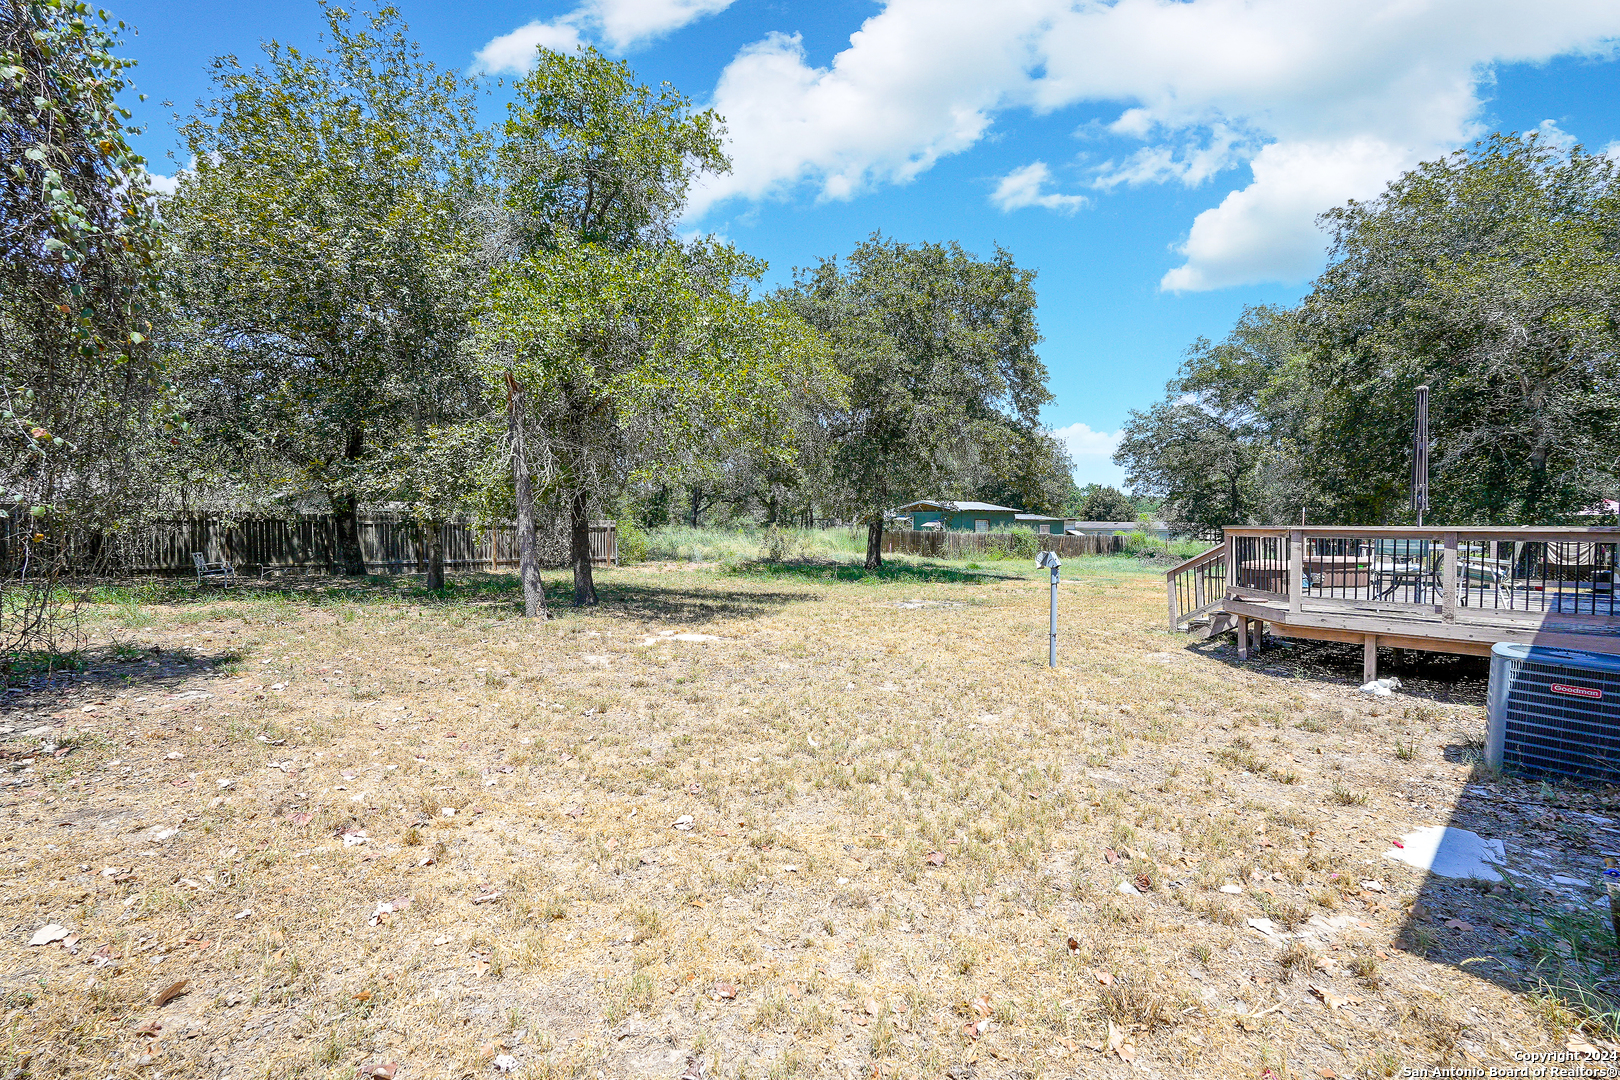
x,y
1243,637
1296,570
1448,578
1258,628
1369,659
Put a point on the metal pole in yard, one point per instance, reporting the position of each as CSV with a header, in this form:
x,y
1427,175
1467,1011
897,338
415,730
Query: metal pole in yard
x,y
1420,456
1049,559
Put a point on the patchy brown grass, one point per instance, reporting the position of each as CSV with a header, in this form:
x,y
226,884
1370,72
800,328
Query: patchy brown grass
x,y
862,830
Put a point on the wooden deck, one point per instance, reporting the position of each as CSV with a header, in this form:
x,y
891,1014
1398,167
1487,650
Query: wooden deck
x,y
1435,589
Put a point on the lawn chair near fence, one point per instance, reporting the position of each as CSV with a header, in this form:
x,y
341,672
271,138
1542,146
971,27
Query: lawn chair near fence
x,y
211,571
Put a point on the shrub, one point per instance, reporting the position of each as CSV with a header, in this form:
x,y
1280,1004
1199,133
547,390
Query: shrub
x,y
775,545
634,544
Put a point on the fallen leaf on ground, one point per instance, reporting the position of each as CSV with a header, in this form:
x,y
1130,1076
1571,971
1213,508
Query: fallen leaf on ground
x,y
1119,1044
935,858
1109,856
1458,924
723,991
1373,885
1328,997
168,993
487,898
382,1071
302,818
981,1005
47,934
1103,978
871,1006
1074,946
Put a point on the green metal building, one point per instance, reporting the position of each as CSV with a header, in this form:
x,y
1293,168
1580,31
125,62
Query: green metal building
x,y
963,516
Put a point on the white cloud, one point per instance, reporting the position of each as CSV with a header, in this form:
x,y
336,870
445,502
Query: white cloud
x,y
626,22
1191,165
620,24
164,184
515,52
1323,99
1093,454
1022,187
1553,135
1267,231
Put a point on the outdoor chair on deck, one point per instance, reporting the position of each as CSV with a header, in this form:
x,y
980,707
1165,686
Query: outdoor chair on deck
x,y
211,571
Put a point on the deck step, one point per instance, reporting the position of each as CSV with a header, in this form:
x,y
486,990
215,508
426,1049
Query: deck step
x,y
1208,625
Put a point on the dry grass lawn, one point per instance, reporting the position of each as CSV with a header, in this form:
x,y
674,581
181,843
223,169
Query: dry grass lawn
x,y
852,828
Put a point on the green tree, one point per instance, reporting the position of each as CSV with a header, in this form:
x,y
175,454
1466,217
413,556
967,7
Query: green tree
x,y
326,261
1025,467
1225,445
591,156
938,348
440,472
626,364
79,251
619,352
1492,276
1099,502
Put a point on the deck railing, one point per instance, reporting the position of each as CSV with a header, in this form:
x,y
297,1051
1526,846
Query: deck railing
x,y
1483,574
1197,586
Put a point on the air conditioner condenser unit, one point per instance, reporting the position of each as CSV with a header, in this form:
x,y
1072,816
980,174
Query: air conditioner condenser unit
x,y
1554,712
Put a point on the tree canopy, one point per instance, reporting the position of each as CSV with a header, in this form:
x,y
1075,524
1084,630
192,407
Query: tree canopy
x,y
324,263
80,384
1490,276
938,348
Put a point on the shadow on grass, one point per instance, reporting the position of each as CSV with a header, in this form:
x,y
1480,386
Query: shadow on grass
x,y
1542,926
118,665
477,594
1439,677
889,572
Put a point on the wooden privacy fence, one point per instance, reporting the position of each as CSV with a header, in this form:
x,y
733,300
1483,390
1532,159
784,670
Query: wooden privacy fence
x,y
390,544
942,544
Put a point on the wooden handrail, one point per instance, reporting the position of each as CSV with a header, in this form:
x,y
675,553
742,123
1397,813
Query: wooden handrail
x,y
1196,560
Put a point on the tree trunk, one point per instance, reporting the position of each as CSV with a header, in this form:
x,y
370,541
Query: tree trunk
x,y
697,504
579,549
534,592
874,544
435,555
346,527
346,516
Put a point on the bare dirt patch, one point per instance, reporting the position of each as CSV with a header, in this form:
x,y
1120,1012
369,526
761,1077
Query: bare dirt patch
x,y
765,823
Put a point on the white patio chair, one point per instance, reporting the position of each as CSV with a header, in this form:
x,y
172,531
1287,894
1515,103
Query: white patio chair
x,y
211,571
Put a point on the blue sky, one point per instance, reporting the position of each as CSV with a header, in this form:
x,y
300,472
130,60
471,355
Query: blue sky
x,y
1159,164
